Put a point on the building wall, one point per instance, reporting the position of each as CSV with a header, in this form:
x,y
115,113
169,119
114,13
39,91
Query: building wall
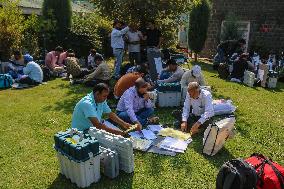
x,y
259,12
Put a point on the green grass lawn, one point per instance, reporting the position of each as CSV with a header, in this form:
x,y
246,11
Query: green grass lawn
x,y
29,118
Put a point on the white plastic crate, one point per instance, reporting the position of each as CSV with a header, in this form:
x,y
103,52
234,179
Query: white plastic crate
x,y
272,82
249,78
109,162
121,145
169,99
83,174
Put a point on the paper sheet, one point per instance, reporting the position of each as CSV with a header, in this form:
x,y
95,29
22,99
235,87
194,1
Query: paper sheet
x,y
136,134
159,66
141,144
155,128
148,134
174,133
173,144
110,125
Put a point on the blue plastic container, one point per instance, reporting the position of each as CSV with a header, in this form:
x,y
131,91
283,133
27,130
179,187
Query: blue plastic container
x,y
76,150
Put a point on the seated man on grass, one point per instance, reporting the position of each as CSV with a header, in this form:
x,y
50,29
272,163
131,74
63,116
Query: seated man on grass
x,y
73,67
89,110
172,74
16,64
128,80
33,74
193,75
135,105
51,60
102,73
239,68
197,110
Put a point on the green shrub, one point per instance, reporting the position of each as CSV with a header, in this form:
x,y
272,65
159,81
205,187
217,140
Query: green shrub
x,y
11,28
230,28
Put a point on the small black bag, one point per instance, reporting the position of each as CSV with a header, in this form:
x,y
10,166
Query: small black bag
x,y
46,73
223,71
236,174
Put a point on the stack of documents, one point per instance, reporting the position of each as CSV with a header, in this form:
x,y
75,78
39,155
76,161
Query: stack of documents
x,y
141,144
155,128
143,134
174,145
168,132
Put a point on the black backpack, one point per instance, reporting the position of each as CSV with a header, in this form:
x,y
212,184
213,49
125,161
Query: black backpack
x,y
223,71
236,174
46,73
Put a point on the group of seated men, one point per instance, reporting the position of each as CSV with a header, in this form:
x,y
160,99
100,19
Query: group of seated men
x,y
24,70
135,107
232,52
97,71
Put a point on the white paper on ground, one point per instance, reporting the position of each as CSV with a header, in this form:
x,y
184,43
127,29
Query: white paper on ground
x,y
148,134
136,134
155,128
110,125
173,144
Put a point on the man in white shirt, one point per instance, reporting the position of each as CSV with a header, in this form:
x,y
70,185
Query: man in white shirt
x,y
33,73
134,37
198,108
117,44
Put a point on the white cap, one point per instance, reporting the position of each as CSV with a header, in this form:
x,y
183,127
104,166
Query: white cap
x,y
196,71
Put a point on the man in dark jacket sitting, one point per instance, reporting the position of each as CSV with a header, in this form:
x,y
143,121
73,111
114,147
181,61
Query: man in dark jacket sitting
x,y
227,49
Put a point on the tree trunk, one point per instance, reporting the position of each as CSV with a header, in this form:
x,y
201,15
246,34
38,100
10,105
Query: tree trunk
x,y
195,57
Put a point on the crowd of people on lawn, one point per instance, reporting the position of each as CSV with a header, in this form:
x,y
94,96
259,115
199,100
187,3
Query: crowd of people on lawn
x,y
132,88
234,61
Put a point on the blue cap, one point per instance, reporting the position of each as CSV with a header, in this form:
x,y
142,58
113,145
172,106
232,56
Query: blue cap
x,y
28,58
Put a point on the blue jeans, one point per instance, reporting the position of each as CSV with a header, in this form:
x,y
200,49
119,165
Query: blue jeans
x,y
165,75
219,57
118,54
142,115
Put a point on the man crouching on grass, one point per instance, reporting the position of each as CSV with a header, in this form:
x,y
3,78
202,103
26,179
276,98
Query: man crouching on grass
x,y
197,111
89,110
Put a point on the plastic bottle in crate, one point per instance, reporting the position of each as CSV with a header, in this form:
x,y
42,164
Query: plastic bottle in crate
x,y
109,162
121,145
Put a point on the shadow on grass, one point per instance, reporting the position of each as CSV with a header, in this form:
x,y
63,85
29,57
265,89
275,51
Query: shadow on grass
x,y
206,66
218,160
122,181
67,103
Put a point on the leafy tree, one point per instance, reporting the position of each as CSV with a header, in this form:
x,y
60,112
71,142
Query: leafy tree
x,y
32,30
58,13
198,25
11,27
87,32
165,12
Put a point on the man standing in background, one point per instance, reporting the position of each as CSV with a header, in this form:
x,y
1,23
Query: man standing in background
x,y
153,39
117,44
134,37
